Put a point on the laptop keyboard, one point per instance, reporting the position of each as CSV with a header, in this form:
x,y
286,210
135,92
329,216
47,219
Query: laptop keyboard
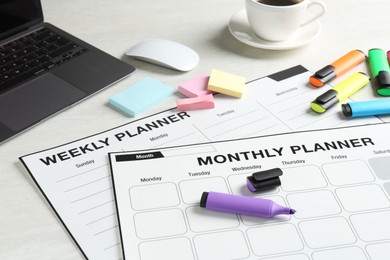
x,y
34,54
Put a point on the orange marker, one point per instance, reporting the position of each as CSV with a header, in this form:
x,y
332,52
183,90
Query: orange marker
x,y
337,68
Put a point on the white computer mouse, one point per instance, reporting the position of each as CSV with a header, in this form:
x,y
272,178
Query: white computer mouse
x,y
165,53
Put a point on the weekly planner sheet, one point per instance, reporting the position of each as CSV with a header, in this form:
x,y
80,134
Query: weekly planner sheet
x,y
337,180
75,177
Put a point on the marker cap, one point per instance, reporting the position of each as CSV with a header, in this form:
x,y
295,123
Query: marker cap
x,y
325,74
383,80
380,70
264,180
347,111
203,199
324,101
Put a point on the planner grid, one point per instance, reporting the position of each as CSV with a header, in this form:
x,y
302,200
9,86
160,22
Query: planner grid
x,y
342,210
326,222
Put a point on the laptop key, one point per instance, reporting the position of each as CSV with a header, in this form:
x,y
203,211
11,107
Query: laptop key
x,y
73,52
34,54
6,77
48,65
37,71
11,82
61,50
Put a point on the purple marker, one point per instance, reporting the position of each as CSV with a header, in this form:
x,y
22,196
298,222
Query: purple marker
x,y
242,205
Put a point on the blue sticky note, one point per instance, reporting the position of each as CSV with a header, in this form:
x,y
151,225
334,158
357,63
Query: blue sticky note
x,y
140,96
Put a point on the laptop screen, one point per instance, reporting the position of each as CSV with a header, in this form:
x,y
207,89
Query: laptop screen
x,y
18,15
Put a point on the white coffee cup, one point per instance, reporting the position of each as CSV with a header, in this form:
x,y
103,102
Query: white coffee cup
x,y
274,22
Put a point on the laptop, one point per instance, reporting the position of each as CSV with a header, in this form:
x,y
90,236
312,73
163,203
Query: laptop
x,y
43,69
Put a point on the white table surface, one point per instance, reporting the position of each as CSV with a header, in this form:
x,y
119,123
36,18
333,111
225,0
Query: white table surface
x,y
28,227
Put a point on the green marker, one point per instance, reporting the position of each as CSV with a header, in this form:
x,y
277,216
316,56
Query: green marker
x,y
380,70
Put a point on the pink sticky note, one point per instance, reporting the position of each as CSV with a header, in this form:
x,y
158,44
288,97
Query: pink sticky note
x,y
195,103
196,86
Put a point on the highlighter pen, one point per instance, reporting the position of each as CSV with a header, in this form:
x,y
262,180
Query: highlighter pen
x,y
337,68
340,92
242,205
388,57
366,108
380,70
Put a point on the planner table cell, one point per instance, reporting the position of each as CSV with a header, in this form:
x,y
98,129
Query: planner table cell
x,y
82,185
387,187
372,226
381,166
327,232
302,178
349,172
289,257
160,223
219,246
379,251
274,239
353,253
313,204
251,221
100,200
191,190
366,197
154,196
237,183
201,219
175,248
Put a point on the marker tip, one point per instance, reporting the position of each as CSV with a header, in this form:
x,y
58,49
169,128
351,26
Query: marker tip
x,y
292,211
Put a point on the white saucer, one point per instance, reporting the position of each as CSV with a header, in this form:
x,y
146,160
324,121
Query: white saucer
x,y
239,28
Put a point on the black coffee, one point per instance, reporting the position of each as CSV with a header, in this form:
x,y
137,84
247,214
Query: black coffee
x,y
279,2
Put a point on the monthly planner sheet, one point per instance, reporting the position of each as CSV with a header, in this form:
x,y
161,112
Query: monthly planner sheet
x,y
75,177
338,181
